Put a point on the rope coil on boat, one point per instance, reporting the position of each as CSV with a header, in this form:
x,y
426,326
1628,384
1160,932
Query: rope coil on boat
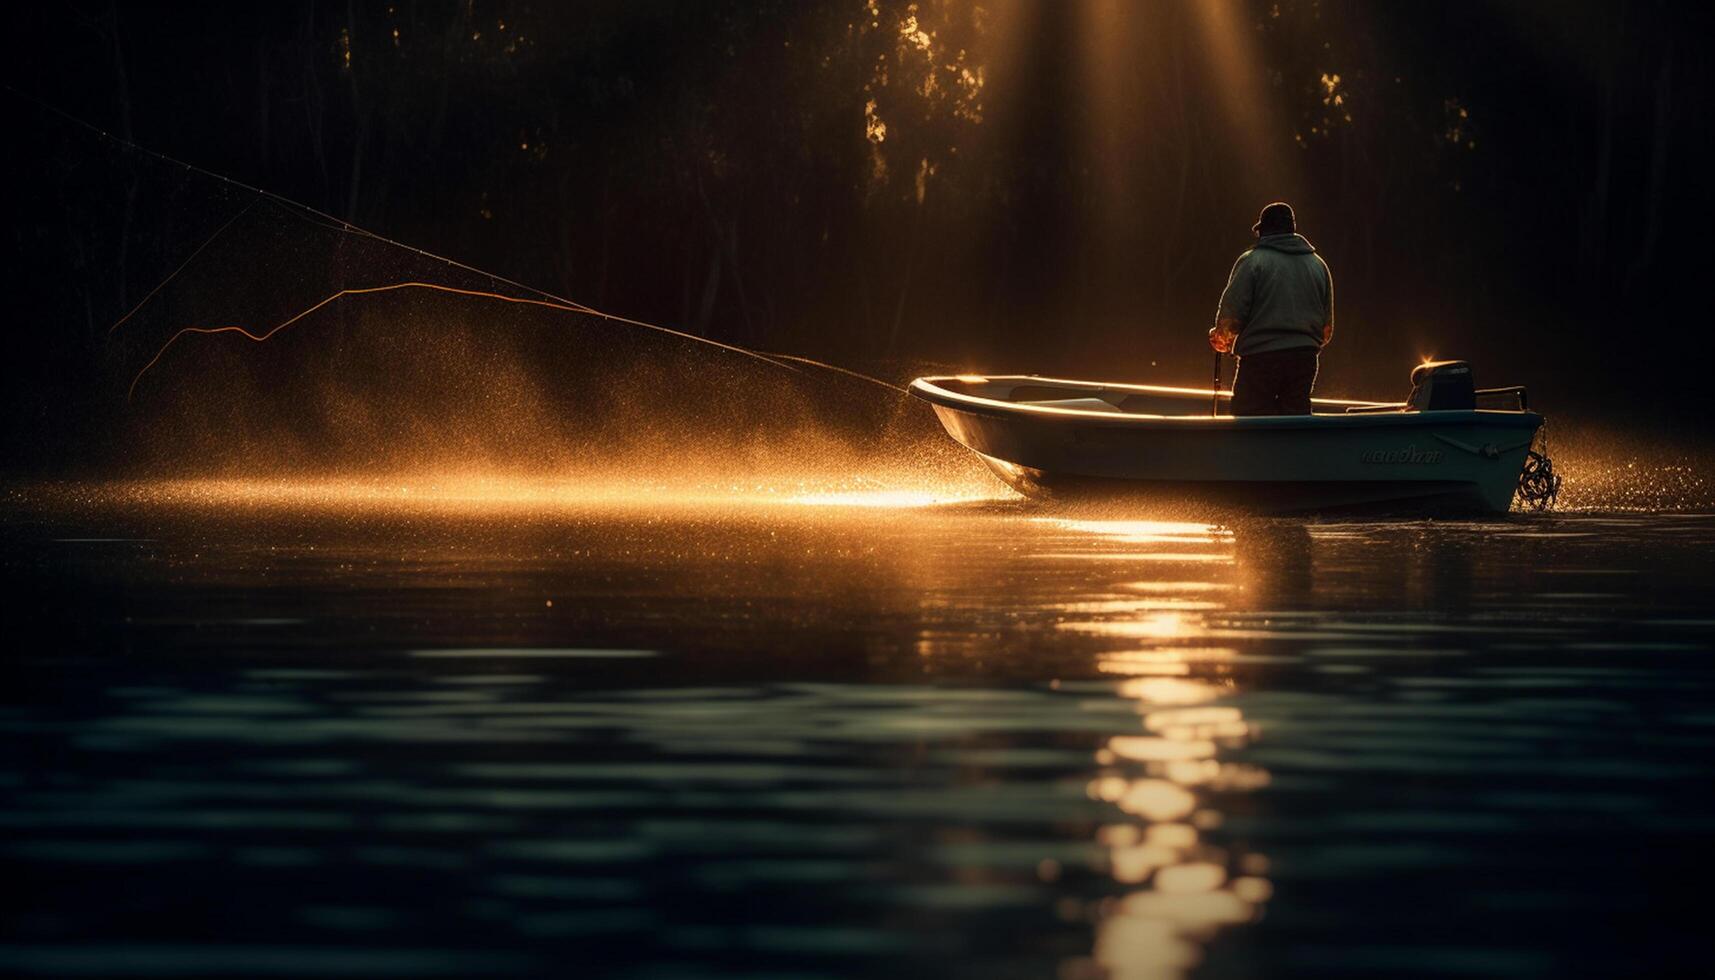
x,y
1538,484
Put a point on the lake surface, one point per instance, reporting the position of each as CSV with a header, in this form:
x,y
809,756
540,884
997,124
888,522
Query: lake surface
x,y
283,734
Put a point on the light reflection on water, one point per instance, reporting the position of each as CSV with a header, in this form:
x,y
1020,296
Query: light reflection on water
x,y
979,740
1183,889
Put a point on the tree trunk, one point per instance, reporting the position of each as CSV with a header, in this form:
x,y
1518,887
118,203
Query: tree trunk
x,y
122,82
1657,172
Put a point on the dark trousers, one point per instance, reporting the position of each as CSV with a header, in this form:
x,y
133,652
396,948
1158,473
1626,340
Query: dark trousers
x,y
1275,383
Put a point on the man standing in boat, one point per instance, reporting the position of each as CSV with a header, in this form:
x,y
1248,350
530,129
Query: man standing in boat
x,y
1276,315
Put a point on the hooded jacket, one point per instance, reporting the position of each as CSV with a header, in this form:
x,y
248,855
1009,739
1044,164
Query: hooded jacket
x,y
1281,293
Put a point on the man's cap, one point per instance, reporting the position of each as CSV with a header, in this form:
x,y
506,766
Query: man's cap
x,y
1276,219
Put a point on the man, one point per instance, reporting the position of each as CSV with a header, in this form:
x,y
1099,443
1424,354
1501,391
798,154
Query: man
x,y
1276,314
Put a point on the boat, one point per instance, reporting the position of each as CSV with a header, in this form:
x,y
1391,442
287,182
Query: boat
x,y
1449,447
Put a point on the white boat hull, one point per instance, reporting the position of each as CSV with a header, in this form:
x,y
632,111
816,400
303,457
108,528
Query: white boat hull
x,y
1062,447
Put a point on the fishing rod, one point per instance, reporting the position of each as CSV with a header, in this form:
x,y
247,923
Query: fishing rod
x,y
315,216
1215,389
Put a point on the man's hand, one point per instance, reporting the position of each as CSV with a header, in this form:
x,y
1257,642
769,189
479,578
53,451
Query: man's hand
x,y
1223,334
1327,332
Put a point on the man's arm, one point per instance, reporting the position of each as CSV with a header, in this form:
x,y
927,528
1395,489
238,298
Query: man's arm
x,y
1235,307
1328,325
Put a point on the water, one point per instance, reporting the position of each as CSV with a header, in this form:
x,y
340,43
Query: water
x,y
669,738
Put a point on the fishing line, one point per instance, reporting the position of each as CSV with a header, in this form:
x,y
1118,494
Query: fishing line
x,y
847,371
175,274
326,220
322,218
355,291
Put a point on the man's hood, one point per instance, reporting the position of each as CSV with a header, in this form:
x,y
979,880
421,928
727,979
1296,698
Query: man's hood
x,y
1293,244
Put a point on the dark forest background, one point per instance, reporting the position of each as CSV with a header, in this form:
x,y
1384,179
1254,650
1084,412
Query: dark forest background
x,y
897,186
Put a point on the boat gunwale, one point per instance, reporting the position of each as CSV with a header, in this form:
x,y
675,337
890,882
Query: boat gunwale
x,y
927,389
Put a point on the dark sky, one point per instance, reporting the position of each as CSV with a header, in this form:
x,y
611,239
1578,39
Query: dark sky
x,y
889,185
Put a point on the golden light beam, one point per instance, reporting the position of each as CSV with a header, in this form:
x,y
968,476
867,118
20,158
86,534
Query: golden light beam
x,y
1104,40
1234,58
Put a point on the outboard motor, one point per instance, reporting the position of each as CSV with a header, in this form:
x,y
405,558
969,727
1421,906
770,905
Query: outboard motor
x,y
1447,386
1442,386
